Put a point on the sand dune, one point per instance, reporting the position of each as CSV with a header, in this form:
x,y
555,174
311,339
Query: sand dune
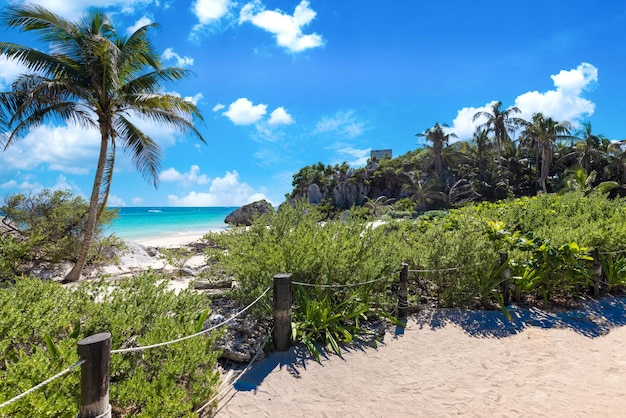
x,y
455,363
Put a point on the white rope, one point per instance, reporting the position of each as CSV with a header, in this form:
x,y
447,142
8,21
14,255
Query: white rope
x,y
230,385
337,286
42,384
204,331
435,270
106,413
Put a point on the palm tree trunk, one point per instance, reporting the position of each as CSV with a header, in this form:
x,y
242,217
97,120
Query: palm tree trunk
x,y
92,216
545,165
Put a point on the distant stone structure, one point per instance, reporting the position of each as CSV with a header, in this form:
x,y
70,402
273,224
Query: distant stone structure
x,y
377,155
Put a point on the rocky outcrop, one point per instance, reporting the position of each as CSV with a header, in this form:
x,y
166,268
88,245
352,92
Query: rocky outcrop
x,y
314,194
349,193
246,214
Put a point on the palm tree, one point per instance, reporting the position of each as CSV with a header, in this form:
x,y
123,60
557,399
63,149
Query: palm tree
x,y
439,139
591,149
502,124
96,79
544,132
617,160
578,179
423,192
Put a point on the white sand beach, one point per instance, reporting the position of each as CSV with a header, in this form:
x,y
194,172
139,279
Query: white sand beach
x,y
170,240
428,372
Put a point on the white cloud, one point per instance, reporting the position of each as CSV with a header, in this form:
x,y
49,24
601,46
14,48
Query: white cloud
x,y
144,21
209,11
9,70
286,28
218,107
137,201
63,184
115,201
169,54
192,177
194,99
564,103
224,191
463,126
355,157
243,112
280,117
69,149
345,124
8,185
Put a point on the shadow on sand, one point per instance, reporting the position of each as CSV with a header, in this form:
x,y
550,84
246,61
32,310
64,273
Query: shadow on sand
x,y
592,319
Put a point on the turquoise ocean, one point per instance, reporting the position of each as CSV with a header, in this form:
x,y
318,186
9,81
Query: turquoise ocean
x,y
135,223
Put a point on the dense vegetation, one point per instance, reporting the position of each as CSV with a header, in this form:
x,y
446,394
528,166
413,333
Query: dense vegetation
x,y
48,227
455,257
42,321
506,157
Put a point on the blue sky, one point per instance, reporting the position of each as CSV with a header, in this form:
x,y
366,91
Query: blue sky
x,y
285,84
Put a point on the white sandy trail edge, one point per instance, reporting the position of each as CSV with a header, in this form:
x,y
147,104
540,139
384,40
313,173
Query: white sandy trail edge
x,y
445,372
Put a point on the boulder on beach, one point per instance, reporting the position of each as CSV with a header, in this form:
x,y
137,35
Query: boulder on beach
x,y
246,214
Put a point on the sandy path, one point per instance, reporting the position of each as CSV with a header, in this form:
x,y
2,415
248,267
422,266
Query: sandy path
x,y
447,366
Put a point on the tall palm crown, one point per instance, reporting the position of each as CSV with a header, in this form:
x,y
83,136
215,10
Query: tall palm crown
x,y
592,149
545,132
96,79
502,123
437,136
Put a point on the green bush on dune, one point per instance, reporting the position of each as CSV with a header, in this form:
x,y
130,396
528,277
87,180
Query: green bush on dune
x,y
549,240
42,322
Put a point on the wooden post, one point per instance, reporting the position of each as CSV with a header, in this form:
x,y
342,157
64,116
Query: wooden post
x,y
506,273
597,271
94,376
403,291
282,312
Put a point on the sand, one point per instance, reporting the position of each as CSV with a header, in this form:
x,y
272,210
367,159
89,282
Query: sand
x,y
454,363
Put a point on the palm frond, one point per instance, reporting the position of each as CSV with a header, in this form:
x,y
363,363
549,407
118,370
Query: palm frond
x,y
144,152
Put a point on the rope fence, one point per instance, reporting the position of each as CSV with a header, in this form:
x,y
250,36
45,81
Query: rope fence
x,y
98,347
42,384
340,286
204,331
95,350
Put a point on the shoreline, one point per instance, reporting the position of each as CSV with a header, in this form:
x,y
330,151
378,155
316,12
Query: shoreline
x,y
172,239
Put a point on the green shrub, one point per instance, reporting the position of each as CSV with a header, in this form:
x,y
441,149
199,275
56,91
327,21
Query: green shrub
x,y
50,226
294,240
165,381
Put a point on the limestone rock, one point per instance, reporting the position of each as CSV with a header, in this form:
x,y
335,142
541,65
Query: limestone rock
x,y
246,214
347,194
314,194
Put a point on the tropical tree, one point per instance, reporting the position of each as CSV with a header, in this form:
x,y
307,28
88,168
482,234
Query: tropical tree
x,y
578,179
439,139
502,123
96,79
423,192
617,160
545,132
591,150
